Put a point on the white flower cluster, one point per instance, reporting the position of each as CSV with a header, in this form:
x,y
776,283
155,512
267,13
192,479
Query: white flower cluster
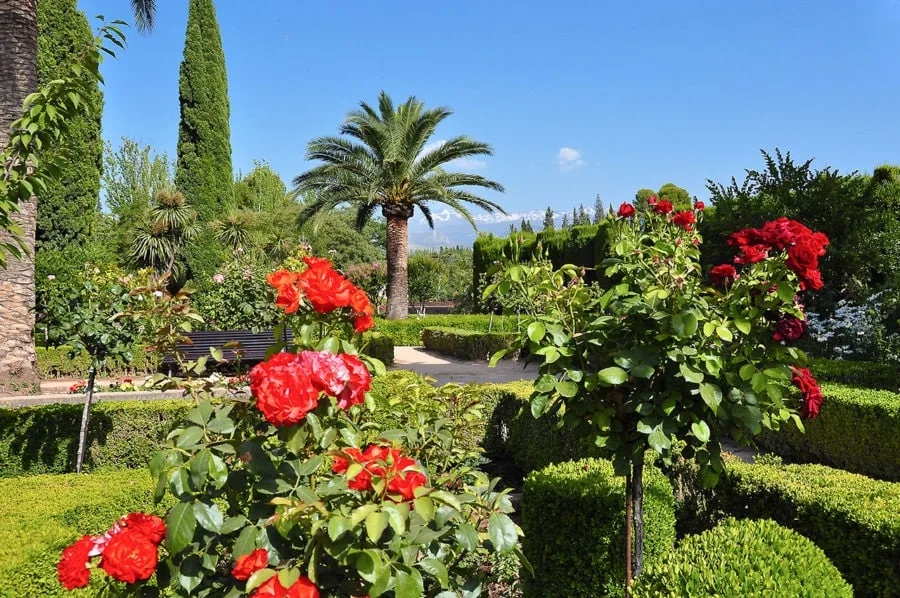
x,y
849,330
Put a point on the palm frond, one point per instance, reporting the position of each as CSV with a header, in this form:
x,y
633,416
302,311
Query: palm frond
x,y
426,211
144,14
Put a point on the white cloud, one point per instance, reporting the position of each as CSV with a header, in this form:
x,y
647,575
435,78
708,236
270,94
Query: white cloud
x,y
569,159
459,164
447,214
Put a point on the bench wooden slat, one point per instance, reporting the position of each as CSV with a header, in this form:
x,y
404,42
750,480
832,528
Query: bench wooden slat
x,y
253,344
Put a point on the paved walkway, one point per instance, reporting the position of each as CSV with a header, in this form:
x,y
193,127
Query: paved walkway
x,y
449,369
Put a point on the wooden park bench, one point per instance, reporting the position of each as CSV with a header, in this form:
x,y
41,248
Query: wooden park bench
x,y
250,347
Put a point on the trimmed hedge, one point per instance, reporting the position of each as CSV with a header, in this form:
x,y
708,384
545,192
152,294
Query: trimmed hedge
x,y
44,439
41,515
858,430
855,520
744,558
864,374
584,245
467,344
380,346
54,362
573,516
408,332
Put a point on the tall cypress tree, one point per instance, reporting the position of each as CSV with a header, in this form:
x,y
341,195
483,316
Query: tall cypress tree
x,y
69,207
203,169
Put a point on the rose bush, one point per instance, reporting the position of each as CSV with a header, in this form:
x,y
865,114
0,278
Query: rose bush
x,y
660,359
296,492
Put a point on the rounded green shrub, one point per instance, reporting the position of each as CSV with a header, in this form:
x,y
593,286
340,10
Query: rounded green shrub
x,y
744,558
573,516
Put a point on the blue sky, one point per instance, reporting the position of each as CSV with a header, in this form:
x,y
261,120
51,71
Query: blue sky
x,y
577,98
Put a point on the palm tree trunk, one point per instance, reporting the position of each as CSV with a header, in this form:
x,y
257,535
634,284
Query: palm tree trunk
x,y
18,78
397,261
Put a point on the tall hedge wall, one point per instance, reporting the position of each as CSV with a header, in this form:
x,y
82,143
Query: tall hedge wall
x,y
584,245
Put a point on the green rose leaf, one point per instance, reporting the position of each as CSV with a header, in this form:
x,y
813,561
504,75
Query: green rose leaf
x,y
376,523
566,388
180,526
502,532
409,585
536,332
700,430
613,376
711,395
785,291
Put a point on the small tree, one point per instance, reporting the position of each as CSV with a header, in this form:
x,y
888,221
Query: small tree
x,y
425,272
548,219
661,358
94,325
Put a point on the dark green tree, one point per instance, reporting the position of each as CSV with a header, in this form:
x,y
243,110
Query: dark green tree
x,y
70,205
582,217
565,221
548,219
679,197
261,190
203,169
641,197
599,212
526,227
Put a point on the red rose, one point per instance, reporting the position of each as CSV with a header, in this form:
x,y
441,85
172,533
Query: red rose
x,y
358,383
362,480
626,210
803,379
360,304
699,206
272,588
129,557
150,526
408,478
684,219
325,289
723,274
751,254
285,282
363,323
72,570
652,200
748,236
248,564
283,390
317,262
789,329
663,207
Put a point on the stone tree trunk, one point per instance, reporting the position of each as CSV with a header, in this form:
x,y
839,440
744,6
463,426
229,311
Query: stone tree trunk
x,y
18,78
397,217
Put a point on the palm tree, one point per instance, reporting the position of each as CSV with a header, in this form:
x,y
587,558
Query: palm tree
x,y
18,78
171,225
386,164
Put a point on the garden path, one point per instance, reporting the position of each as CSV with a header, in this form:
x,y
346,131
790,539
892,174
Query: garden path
x,y
449,369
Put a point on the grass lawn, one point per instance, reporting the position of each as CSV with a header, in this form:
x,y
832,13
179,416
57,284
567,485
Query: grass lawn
x,y
40,515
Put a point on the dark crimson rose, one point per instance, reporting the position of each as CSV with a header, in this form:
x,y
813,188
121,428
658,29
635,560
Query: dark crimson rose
x,y
748,236
72,570
129,557
325,289
663,207
151,526
723,274
248,564
626,210
789,329
283,390
803,379
684,219
752,254
699,206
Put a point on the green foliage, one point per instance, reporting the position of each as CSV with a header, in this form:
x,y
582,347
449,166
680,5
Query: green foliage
x,y
864,374
409,332
857,430
654,359
162,240
62,362
467,344
853,519
41,515
582,245
425,272
47,118
68,208
573,517
444,274
744,558
236,297
548,223
334,235
378,345
125,434
261,190
203,169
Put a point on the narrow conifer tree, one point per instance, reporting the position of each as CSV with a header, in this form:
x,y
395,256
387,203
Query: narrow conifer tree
x,y
203,170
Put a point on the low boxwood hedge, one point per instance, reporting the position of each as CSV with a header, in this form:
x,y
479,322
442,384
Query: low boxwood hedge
x,y
864,374
744,558
43,514
54,362
858,429
408,332
573,516
380,346
466,344
852,518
